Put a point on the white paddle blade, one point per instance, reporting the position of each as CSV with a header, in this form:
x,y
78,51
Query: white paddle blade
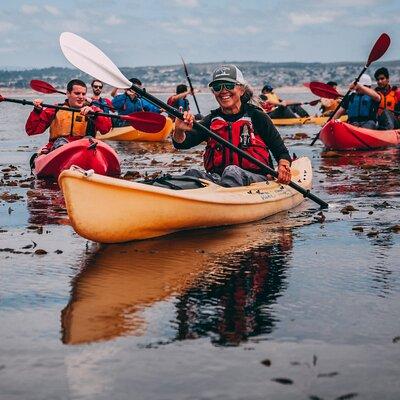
x,y
88,58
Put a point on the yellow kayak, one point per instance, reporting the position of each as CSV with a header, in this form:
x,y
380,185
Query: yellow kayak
x,y
127,211
128,133
305,120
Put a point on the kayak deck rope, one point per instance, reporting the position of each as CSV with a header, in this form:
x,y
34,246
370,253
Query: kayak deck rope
x,y
84,172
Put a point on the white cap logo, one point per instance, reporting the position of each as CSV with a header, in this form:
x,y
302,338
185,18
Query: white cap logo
x,y
223,71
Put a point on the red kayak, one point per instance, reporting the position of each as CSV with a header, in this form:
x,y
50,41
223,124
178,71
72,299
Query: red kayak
x,y
85,153
338,135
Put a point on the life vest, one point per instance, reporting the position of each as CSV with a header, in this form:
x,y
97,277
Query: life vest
x,y
388,100
241,134
67,123
273,97
267,107
361,108
101,102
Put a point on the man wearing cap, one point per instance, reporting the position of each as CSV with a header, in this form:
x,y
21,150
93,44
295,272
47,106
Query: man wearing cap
x,y
278,108
129,102
361,105
242,124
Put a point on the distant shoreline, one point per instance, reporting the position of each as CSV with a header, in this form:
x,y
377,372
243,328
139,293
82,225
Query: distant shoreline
x,y
6,91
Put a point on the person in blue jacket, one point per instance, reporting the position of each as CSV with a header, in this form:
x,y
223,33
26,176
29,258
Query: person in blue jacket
x,y
129,102
361,105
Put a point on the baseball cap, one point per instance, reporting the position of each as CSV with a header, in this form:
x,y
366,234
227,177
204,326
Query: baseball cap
x,y
365,80
267,88
228,73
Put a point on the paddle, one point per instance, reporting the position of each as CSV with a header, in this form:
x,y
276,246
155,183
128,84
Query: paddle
x,y
43,87
311,103
47,88
191,86
143,121
88,58
323,90
330,93
379,49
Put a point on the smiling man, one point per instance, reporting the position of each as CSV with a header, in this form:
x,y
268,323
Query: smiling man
x,y
66,126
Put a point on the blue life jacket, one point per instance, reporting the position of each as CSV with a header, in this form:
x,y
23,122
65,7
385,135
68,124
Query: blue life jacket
x,y
124,105
184,103
361,108
102,103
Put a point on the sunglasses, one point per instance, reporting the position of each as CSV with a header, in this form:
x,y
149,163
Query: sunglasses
x,y
217,87
97,87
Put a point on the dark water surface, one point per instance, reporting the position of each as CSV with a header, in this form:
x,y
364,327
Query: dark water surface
x,y
298,306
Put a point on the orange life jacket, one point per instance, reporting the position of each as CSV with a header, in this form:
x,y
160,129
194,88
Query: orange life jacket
x,y
67,123
388,100
241,134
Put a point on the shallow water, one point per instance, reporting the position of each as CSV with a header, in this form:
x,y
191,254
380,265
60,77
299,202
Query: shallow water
x,y
297,306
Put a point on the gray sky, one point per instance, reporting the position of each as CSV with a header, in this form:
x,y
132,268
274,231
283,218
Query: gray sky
x,y
137,33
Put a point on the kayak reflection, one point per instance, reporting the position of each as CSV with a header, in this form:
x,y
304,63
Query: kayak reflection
x,y
223,280
371,173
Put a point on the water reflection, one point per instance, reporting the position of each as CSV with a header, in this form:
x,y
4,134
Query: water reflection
x,y
371,173
234,302
221,281
46,204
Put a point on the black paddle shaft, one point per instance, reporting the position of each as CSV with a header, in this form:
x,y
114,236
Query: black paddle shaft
x,y
265,168
339,105
71,109
191,87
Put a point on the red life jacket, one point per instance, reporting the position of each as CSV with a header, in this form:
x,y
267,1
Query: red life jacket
x,y
241,134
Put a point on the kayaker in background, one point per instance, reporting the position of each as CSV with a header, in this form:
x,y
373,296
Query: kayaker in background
x,y
278,108
361,105
66,126
101,102
179,99
328,106
389,100
244,125
129,102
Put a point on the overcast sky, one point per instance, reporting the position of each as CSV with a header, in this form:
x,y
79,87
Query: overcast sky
x,y
137,33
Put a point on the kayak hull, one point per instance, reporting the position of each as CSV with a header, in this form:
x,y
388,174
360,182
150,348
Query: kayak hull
x,y
302,121
84,153
128,133
338,135
143,211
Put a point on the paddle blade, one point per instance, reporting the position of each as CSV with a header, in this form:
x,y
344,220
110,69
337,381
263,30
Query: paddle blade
x,y
144,121
323,90
43,87
306,84
88,58
379,49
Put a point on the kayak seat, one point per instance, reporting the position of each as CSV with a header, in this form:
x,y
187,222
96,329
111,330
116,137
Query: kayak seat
x,y
177,182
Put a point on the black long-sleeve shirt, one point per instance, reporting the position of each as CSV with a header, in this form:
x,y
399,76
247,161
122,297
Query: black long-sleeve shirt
x,y
262,125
